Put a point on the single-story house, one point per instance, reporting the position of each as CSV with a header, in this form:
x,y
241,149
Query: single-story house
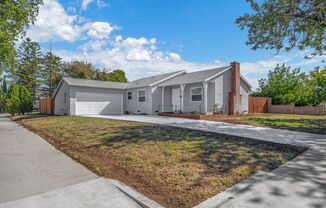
x,y
176,91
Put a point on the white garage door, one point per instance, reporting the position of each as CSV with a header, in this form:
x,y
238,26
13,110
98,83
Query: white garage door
x,y
98,103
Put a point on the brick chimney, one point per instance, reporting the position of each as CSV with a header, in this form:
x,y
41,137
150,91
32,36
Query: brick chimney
x,y
234,95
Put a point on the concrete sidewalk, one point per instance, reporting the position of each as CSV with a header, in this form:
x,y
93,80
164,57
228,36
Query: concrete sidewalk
x,y
299,183
34,174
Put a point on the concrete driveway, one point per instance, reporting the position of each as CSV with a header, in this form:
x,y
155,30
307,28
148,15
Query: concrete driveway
x,y
34,174
298,183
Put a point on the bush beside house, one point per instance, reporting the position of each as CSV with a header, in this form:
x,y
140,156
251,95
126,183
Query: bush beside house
x,y
18,100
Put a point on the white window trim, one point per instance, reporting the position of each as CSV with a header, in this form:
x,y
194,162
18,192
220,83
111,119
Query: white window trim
x,y
131,96
138,95
202,94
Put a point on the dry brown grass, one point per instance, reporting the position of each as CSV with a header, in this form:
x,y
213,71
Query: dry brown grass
x,y
175,167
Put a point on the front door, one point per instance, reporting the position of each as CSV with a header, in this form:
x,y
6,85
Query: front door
x,y
176,101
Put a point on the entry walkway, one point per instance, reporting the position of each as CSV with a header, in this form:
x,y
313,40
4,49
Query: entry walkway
x,y
34,174
298,183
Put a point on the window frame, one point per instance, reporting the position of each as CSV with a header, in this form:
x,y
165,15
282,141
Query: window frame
x,y
141,96
191,94
128,95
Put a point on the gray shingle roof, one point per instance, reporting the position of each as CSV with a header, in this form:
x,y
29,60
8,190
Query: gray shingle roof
x,y
198,76
95,83
149,81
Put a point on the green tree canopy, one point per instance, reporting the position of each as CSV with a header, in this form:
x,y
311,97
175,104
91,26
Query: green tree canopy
x,y
51,73
285,85
86,70
80,69
27,72
15,16
117,75
286,24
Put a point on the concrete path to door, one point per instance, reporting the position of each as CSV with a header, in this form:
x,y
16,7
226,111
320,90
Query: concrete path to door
x,y
298,183
34,174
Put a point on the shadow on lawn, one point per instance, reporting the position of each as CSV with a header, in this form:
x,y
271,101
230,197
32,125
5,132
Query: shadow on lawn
x,y
222,153
316,126
219,152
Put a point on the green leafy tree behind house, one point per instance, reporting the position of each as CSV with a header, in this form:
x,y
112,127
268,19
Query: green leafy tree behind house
x,y
51,73
318,85
285,85
117,75
80,69
15,16
27,72
286,24
86,70
26,100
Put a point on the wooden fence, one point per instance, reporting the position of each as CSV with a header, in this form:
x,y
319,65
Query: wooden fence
x,y
46,106
259,104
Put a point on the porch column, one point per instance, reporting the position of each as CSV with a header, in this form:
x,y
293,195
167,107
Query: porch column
x,y
182,88
205,96
163,88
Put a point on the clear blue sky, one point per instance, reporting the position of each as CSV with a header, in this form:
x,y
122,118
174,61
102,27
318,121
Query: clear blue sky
x,y
147,37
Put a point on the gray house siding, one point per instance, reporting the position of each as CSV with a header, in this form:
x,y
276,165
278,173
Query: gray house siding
x,y
190,106
114,98
134,106
244,92
222,89
62,106
156,99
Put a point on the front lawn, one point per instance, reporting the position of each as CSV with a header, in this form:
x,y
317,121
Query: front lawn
x,y
304,123
175,167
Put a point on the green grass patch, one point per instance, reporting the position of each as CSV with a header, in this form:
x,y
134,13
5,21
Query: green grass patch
x,y
175,166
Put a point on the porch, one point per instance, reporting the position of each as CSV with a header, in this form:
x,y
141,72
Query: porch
x,y
190,98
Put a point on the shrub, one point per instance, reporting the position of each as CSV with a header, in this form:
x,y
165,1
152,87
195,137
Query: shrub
x,y
12,101
26,100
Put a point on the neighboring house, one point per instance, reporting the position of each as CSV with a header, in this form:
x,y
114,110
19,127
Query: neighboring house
x,y
175,91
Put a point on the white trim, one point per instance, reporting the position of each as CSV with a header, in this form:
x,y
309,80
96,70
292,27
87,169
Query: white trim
x,y
201,94
162,80
128,95
143,89
246,81
215,75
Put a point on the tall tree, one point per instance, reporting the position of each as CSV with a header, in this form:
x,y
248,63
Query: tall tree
x,y
15,16
4,85
286,24
51,73
117,75
27,72
80,69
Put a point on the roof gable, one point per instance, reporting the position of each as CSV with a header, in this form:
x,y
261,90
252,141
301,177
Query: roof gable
x,y
95,83
198,76
153,80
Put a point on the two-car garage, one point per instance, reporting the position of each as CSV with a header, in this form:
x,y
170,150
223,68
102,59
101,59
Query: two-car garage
x,y
98,103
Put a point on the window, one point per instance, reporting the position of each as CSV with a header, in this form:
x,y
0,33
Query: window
x,y
129,95
141,96
65,98
196,94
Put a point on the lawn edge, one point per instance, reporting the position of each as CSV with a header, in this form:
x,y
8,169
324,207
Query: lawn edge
x,y
222,197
